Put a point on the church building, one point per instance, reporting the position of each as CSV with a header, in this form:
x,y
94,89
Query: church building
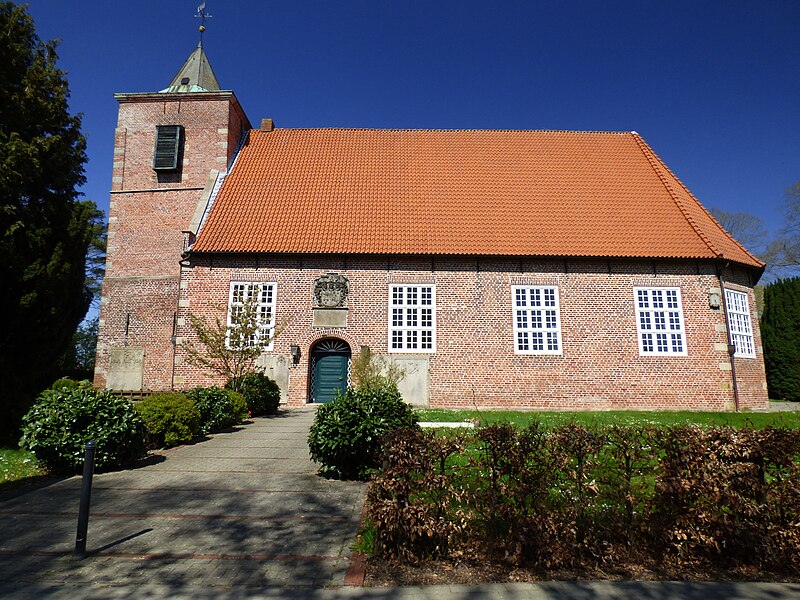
x,y
559,270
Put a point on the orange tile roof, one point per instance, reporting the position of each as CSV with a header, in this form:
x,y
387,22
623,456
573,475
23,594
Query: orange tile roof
x,y
518,193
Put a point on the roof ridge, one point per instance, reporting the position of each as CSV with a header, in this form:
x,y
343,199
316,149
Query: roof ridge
x,y
219,181
657,164
446,130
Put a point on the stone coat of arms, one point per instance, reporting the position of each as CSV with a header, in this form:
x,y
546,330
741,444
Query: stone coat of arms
x,y
330,291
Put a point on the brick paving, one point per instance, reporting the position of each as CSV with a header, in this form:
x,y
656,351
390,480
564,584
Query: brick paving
x,y
241,509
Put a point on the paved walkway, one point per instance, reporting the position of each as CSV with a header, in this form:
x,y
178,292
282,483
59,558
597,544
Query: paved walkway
x,y
243,508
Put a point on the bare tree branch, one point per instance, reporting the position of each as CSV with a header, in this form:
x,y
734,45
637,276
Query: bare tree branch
x,y
745,228
784,251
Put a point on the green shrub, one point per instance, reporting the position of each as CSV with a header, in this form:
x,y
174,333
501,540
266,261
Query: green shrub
x,y
70,384
260,392
239,405
345,437
59,424
219,408
170,417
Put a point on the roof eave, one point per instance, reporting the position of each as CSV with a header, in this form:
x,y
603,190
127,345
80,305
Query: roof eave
x,y
760,267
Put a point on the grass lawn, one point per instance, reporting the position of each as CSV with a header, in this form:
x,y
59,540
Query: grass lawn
x,y
789,420
18,467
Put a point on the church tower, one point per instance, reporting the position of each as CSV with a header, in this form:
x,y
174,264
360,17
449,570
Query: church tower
x,y
170,150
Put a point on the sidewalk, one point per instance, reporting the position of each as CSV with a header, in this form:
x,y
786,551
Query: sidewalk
x,y
552,590
243,508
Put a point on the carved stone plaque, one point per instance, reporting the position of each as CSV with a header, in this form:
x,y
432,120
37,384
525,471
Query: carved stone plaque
x,y
125,369
330,291
329,317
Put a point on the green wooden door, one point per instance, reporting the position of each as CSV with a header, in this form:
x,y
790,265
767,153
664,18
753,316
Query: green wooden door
x,y
330,362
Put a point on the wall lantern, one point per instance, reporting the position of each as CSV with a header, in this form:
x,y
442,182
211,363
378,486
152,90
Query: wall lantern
x,y
294,350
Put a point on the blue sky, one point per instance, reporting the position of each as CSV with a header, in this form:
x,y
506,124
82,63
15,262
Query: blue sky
x,y
712,85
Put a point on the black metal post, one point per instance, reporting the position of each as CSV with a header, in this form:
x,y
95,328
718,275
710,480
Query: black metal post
x,y
86,497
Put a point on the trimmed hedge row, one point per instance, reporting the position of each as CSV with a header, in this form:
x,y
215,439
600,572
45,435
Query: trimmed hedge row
x,y
170,417
64,418
219,408
670,499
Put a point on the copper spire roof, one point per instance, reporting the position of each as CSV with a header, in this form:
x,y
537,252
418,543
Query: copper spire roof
x,y
476,192
195,75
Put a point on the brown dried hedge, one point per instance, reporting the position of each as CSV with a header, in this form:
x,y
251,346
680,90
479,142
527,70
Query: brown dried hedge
x,y
586,498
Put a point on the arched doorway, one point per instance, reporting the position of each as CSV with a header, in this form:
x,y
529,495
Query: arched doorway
x,y
329,369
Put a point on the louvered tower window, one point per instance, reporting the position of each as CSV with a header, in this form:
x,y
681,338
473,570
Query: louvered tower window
x,y
168,146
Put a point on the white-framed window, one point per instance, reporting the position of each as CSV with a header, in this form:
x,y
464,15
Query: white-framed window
x,y
739,322
262,298
659,321
412,318
537,322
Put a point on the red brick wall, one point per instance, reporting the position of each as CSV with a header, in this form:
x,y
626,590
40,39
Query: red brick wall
x,y
149,210
600,367
139,313
750,374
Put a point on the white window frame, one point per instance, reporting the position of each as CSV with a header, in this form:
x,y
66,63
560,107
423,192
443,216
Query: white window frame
x,y
408,324
241,291
537,313
656,318
740,324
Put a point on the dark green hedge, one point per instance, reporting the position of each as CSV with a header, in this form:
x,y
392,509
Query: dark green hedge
x,y
170,417
260,392
780,334
219,408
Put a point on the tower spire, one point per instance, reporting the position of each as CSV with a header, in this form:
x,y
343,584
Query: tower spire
x,y
196,74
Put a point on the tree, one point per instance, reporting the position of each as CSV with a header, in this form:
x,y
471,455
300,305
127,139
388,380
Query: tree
x,y
78,361
373,370
784,251
746,229
229,350
45,229
780,333
96,254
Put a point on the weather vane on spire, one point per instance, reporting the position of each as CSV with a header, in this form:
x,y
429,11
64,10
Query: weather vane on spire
x,y
201,14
